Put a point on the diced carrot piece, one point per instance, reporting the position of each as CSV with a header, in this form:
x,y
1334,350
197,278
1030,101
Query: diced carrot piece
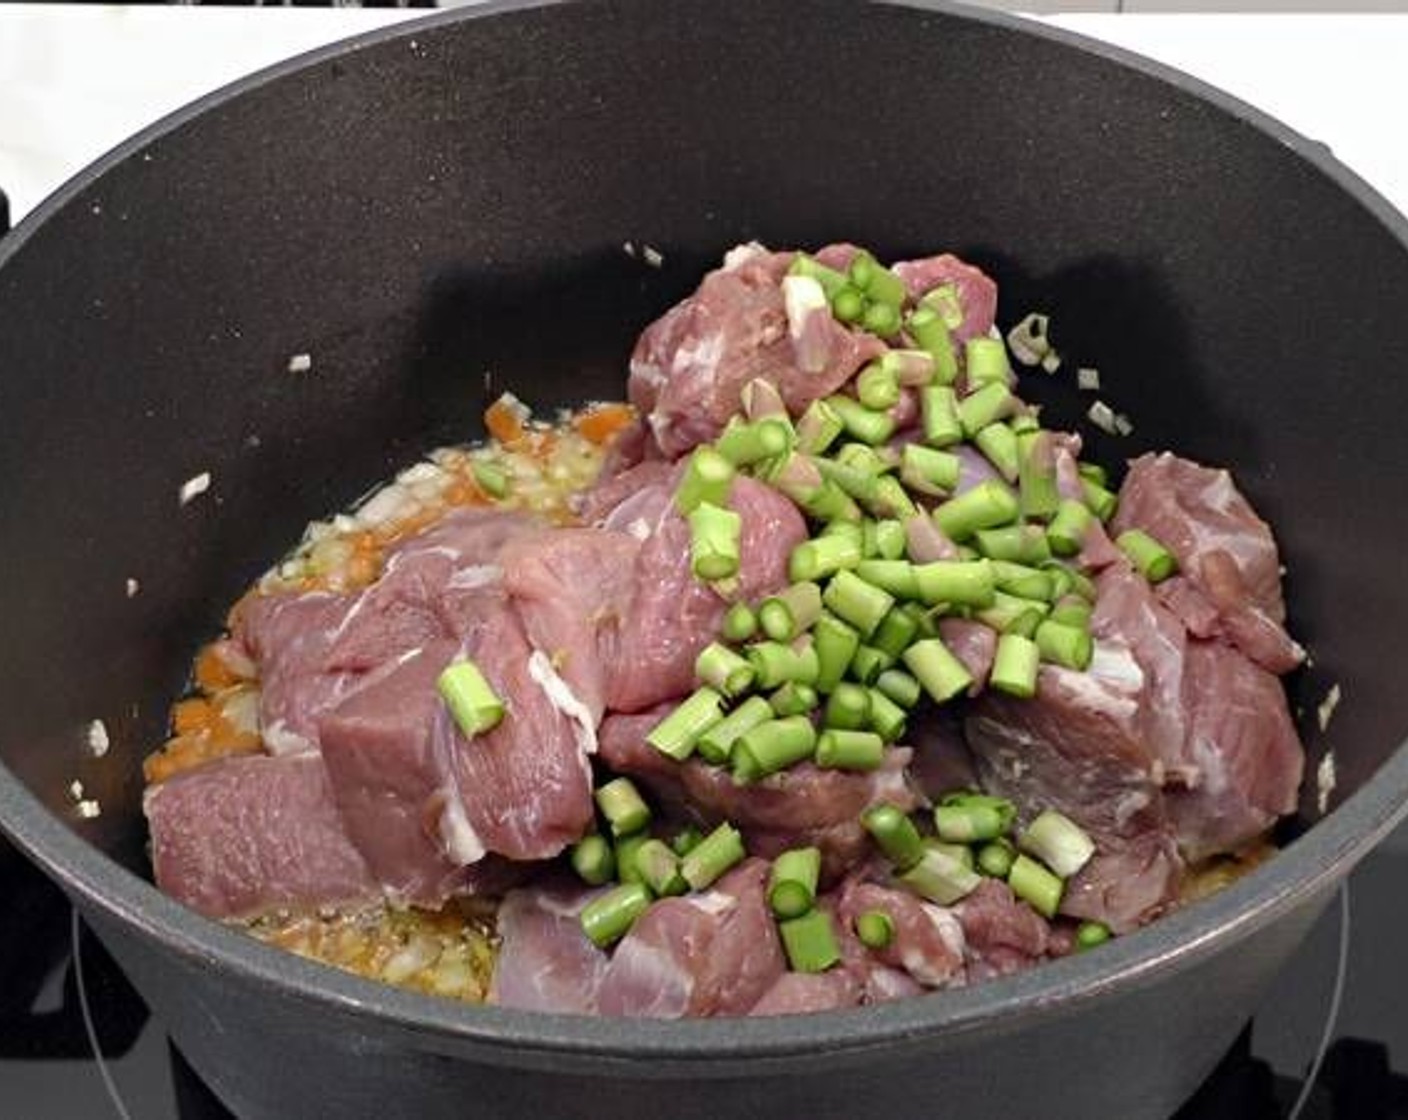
x,y
181,753
212,671
158,767
192,715
391,532
602,422
361,570
225,739
504,420
186,752
232,616
462,492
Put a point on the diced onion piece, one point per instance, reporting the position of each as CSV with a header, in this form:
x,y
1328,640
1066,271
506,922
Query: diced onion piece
x,y
418,954
944,300
1028,341
1325,711
1325,780
193,488
98,740
740,255
240,708
1102,416
388,505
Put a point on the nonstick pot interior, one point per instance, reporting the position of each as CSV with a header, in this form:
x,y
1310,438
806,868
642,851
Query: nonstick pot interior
x,y
438,213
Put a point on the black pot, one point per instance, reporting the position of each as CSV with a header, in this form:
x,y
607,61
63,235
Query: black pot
x,y
421,205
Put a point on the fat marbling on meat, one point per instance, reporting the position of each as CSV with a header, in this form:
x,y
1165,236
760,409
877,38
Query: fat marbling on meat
x,y
690,366
618,605
355,674
312,648
560,621
1177,742
574,589
1180,733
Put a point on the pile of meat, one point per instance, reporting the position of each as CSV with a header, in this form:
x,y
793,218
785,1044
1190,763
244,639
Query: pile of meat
x,y
1176,744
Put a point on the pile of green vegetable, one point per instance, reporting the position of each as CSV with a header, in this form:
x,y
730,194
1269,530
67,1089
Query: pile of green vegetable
x,y
828,670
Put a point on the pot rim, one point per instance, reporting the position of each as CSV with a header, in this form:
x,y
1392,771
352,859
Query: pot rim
x,y
1300,874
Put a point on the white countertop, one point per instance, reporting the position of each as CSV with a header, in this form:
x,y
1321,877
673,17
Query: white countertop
x,y
74,81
